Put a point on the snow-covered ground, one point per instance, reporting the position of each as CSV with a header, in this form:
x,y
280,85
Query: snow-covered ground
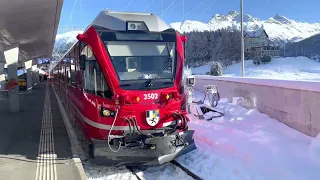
x,y
290,68
244,144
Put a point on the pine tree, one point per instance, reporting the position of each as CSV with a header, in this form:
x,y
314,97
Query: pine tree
x,y
216,69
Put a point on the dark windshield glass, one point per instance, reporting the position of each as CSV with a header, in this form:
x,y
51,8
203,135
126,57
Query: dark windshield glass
x,y
139,57
141,60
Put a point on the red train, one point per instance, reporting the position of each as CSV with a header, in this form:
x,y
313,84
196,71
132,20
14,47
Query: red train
x,y
122,81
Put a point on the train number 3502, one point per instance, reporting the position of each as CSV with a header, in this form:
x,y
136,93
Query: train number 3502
x,y
150,96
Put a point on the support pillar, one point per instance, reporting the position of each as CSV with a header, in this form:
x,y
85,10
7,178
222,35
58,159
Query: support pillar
x,y
2,75
11,55
34,75
2,63
28,66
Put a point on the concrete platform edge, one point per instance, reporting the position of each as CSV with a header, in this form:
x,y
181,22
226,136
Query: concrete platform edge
x,y
72,138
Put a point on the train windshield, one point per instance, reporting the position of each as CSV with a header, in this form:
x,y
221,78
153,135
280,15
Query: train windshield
x,y
140,57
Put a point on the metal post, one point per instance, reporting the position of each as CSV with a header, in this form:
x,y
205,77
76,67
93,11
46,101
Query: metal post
x,y
190,98
242,41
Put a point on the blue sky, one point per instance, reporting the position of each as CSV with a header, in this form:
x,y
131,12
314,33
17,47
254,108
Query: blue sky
x,y
84,12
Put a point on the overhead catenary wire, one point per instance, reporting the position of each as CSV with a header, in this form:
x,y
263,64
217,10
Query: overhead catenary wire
x,y
70,18
148,5
193,9
205,10
168,7
128,5
172,8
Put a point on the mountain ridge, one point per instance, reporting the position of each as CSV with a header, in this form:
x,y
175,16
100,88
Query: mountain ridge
x,y
279,28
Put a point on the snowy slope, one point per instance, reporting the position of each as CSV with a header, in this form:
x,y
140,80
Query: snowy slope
x,y
246,144
66,38
290,68
279,28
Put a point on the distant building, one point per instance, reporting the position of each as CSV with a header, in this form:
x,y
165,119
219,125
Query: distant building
x,y
257,43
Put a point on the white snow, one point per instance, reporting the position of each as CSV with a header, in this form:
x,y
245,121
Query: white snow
x,y
67,37
244,144
315,149
289,68
279,28
247,144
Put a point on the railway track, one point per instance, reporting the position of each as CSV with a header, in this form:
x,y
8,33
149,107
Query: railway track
x,y
175,163
132,170
194,176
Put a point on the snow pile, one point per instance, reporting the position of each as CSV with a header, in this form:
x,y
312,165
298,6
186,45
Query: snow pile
x,y
315,149
166,171
290,68
94,172
187,71
247,144
279,28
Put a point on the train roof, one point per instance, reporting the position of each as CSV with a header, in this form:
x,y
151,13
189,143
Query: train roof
x,y
118,21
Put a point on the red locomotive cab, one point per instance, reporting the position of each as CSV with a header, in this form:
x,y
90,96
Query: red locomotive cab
x,y
133,95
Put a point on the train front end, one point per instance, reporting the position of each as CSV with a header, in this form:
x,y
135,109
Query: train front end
x,y
146,109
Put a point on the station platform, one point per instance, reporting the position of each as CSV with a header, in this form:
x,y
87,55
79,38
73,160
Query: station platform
x,y
34,143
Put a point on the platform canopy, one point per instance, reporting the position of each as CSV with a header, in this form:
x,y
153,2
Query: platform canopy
x,y
32,24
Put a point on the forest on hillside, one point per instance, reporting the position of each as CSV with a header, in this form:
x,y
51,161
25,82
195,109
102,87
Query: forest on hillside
x,y
201,47
224,46
208,46
308,47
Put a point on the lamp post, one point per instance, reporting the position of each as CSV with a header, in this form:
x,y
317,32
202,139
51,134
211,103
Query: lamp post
x,y
242,41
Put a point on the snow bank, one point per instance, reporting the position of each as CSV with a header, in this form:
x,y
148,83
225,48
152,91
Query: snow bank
x,y
166,171
94,172
244,144
290,84
247,144
315,149
290,68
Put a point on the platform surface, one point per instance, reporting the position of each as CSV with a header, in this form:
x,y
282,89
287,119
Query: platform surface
x,y
22,155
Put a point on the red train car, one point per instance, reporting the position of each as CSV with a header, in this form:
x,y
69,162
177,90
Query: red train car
x,y
123,84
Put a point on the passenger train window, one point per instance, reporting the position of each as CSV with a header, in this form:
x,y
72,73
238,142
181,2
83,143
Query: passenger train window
x,y
94,80
72,68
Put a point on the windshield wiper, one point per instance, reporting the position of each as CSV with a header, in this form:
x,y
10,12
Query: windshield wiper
x,y
126,84
162,70
158,75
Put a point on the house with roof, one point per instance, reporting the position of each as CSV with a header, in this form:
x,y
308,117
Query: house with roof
x,y
257,43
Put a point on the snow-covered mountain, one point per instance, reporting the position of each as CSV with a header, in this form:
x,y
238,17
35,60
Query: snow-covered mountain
x,y
66,38
279,28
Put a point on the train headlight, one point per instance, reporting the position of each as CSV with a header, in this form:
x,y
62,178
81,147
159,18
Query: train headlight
x,y
136,26
167,96
104,112
133,26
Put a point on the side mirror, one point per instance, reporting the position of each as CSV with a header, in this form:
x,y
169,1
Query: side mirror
x,y
81,37
82,60
183,39
190,81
